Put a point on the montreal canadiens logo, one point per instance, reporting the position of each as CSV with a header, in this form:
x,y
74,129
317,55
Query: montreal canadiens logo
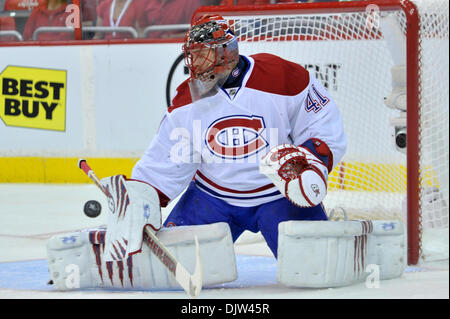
x,y
236,136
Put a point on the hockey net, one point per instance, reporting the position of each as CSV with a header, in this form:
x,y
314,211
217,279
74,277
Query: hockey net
x,y
352,47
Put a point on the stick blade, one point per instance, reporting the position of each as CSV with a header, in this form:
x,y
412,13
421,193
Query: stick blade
x,y
196,281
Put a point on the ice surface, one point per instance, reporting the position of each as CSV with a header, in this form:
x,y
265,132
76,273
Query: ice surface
x,y
31,213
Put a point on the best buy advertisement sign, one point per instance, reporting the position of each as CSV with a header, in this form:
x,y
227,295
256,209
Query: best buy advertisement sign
x,y
33,98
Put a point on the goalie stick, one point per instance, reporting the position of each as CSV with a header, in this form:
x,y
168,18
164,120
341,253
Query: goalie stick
x,y
192,284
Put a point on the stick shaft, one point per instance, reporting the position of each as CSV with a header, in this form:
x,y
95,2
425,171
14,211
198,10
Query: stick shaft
x,y
90,173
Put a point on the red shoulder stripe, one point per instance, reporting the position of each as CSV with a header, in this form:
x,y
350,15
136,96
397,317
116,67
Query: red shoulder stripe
x,y
182,98
275,75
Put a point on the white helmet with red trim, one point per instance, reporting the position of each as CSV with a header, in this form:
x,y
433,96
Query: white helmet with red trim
x,y
211,52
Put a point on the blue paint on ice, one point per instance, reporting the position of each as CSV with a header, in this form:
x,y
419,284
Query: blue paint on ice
x,y
254,271
33,275
29,275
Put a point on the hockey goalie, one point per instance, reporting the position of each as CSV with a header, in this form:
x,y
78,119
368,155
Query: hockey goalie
x,y
250,140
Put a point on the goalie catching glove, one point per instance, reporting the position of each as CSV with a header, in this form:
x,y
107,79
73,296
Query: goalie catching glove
x,y
133,205
299,175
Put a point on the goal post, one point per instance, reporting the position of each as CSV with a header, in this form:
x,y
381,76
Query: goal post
x,y
353,48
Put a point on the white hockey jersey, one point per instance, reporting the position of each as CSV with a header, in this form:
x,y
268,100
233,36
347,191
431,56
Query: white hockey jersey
x,y
218,140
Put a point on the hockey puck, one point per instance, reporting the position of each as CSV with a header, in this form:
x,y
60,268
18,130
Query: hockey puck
x,y
92,208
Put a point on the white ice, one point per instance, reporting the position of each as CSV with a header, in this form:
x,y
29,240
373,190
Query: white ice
x,y
32,213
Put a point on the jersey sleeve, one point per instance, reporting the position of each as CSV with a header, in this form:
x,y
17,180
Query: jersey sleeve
x,y
169,163
317,124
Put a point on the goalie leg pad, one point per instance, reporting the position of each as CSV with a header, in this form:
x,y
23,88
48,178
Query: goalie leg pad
x,y
322,254
76,259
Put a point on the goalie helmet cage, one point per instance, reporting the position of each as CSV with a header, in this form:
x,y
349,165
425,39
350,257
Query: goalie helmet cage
x,y
351,47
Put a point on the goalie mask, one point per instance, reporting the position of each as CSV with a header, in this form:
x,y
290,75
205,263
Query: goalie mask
x,y
211,52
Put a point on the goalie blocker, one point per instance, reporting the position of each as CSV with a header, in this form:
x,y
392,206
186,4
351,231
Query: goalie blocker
x,y
76,260
323,254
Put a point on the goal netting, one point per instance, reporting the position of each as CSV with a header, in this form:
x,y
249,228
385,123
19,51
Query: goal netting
x,y
353,48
